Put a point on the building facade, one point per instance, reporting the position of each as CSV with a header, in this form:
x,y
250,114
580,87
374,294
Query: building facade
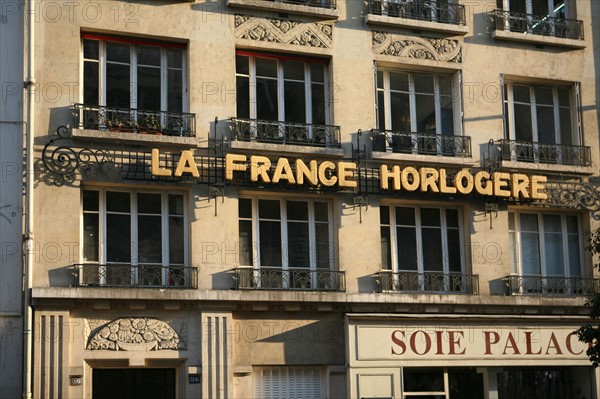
x,y
314,199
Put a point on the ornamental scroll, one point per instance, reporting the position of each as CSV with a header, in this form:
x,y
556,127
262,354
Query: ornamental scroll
x,y
135,334
424,48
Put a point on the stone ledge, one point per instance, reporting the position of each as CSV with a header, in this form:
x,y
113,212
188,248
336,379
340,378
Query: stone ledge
x,y
287,149
278,7
124,137
424,159
548,168
400,22
538,39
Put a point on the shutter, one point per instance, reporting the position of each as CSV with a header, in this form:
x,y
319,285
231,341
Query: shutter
x,y
287,382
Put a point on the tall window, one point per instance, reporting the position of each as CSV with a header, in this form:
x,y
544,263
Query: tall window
x,y
415,102
551,8
125,73
280,88
138,238
420,239
545,244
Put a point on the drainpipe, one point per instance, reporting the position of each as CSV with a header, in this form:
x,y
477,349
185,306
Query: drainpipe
x,y
29,85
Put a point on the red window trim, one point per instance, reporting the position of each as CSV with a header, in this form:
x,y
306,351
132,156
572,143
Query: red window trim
x,y
280,57
108,38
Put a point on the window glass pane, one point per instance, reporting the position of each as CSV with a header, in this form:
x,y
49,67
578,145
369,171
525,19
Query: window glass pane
x,y
521,94
380,79
90,200
430,217
384,214
297,210
512,242
318,104
317,72
118,238
381,111
148,88
529,222
511,221
90,236
574,255
90,83
293,70
324,247
241,64
454,260
530,253
117,85
407,248
149,239
447,116
242,97
523,129
432,255
400,112
465,383
270,243
117,52
295,102
266,99
149,203
298,245
386,248
445,82
546,126
175,204
321,212
174,58
175,90
405,216
176,240
566,127
423,380
426,114
266,67
572,225
245,248
148,55
539,7
399,81
268,209
245,208
564,96
91,49
117,201
423,83
553,248
543,95
552,224
452,217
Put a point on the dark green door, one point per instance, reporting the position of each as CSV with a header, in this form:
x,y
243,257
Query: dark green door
x,y
133,384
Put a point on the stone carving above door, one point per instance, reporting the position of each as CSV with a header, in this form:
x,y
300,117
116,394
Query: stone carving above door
x,y
135,334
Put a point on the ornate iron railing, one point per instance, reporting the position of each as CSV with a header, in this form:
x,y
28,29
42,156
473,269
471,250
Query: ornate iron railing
x,y
127,275
428,282
285,132
298,279
551,286
312,3
421,10
544,25
421,143
558,154
134,120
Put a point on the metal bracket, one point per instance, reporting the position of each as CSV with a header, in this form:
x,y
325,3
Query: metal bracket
x,y
214,191
491,207
360,201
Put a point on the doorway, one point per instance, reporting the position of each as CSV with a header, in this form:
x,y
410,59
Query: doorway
x,y
131,383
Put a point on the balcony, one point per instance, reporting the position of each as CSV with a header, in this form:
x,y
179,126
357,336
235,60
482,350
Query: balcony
x,y
130,120
421,143
554,154
263,131
428,282
313,8
139,276
247,278
551,286
419,14
539,29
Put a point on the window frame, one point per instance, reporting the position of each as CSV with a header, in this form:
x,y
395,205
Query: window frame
x,y
102,243
529,7
133,70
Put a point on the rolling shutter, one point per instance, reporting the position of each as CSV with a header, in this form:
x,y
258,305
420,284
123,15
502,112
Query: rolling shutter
x,y
287,382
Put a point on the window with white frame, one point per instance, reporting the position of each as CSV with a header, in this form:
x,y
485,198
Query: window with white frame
x,y
281,88
139,74
275,382
551,8
423,248
545,244
136,237
278,235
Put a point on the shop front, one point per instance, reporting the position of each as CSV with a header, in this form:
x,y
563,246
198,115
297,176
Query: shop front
x,y
467,357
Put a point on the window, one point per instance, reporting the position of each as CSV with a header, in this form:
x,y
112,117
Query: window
x,y
442,383
288,382
545,244
415,107
410,265
543,122
547,8
289,241
445,11
542,383
279,88
136,238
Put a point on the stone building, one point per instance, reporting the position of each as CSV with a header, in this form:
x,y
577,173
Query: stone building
x,y
314,199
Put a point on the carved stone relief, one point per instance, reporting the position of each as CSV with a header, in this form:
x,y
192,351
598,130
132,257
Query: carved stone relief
x,y
425,48
283,31
134,334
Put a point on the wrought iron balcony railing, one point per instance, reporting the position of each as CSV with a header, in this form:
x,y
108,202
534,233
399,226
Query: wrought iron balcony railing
x,y
435,11
551,286
127,275
134,120
298,279
421,143
544,25
285,132
557,154
311,3
428,282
